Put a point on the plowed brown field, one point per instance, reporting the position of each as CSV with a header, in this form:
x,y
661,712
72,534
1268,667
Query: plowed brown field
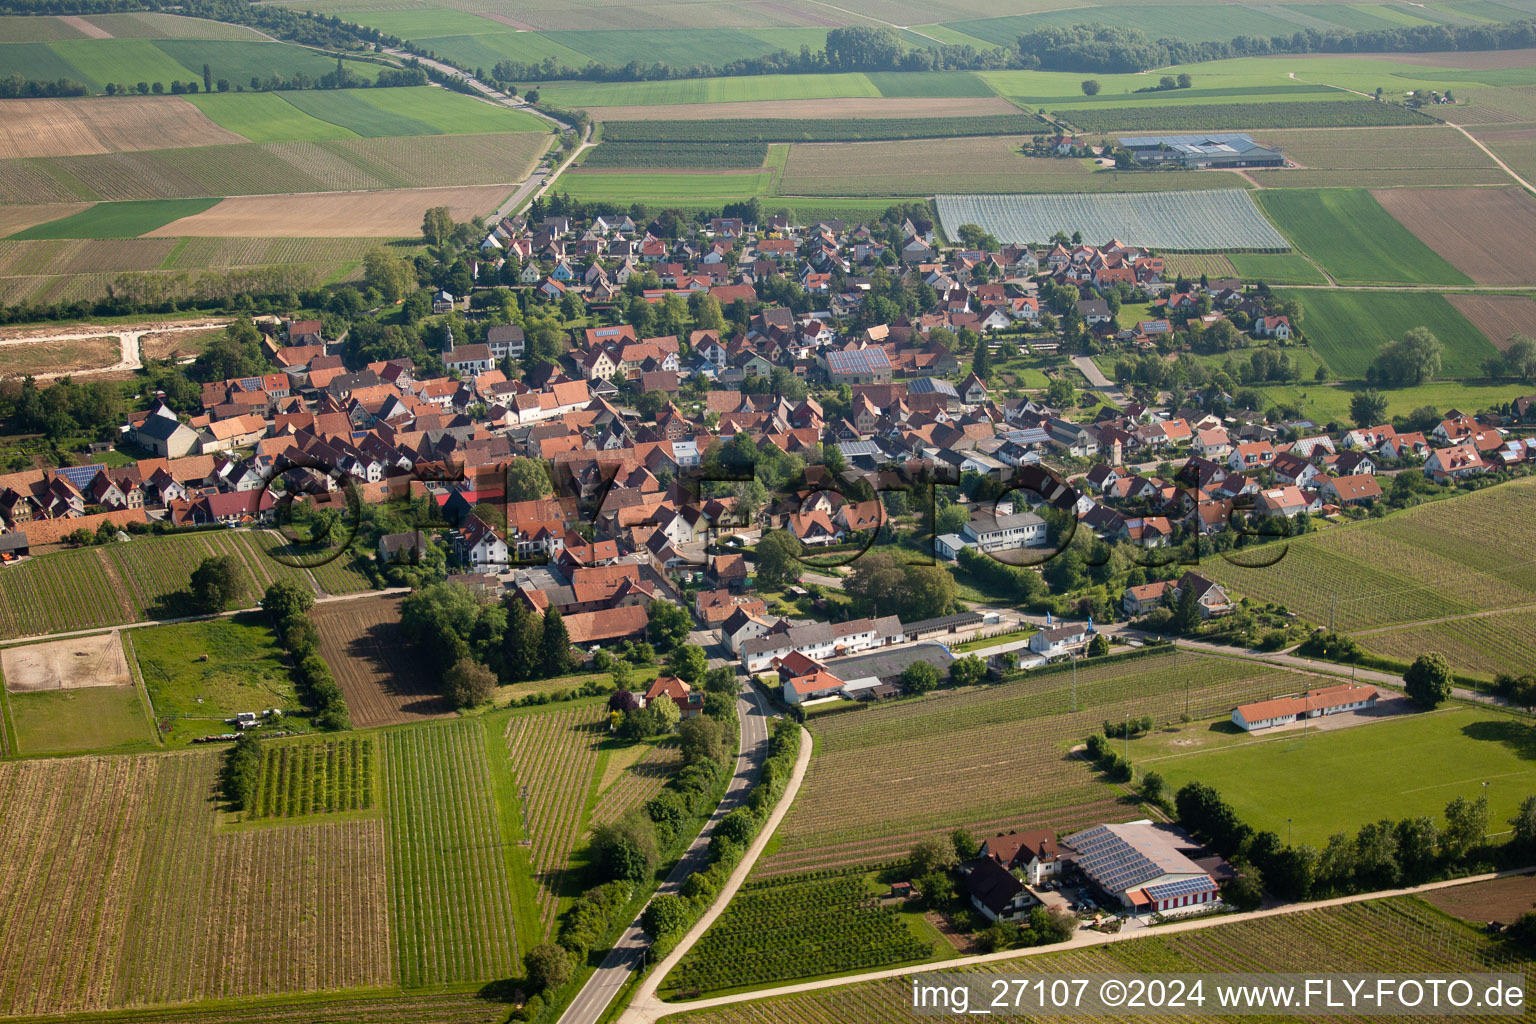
x,y
1499,317
383,683
77,127
1489,234
386,214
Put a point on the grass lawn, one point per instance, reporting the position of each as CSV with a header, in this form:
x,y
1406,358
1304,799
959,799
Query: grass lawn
x,y
95,718
117,220
1325,403
1348,329
200,673
1339,780
1355,240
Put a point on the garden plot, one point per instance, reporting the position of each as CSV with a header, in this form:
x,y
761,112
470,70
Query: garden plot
x,y
1215,220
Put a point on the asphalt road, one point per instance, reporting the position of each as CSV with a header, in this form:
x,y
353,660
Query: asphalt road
x,y
606,981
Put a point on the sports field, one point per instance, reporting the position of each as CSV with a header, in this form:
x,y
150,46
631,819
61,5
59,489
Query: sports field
x,y
1355,240
1348,329
1340,779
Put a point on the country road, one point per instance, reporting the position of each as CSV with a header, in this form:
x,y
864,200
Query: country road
x,y
615,969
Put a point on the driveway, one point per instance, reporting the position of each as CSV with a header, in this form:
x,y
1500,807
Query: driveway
x,y
1100,383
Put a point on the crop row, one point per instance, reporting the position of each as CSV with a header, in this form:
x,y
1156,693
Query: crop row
x,y
1389,936
554,755
314,778
273,168
66,591
705,155
818,129
1214,219
637,783
795,927
1239,116
119,891
447,871
944,755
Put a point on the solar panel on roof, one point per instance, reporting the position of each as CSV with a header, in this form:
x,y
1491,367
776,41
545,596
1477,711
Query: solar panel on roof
x,y
250,383
80,476
1182,887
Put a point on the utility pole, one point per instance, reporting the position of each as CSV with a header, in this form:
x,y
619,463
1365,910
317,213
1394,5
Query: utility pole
x,y
1127,737
1290,832
1333,606
1074,682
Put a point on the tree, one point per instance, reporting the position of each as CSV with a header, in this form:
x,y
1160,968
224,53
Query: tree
x,y
919,677
1153,787
777,557
1428,680
528,480
217,583
1524,824
702,738
625,849
1060,393
666,915
1098,646
1184,81
1091,87
287,598
1368,408
1413,359
967,671
1245,891
547,966
1466,824
468,683
622,700
930,854
688,663
1520,357
981,360
669,625
555,645
666,712
437,225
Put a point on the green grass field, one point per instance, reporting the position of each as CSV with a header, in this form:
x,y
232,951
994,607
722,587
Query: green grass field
x,y
241,61
126,61
37,60
1276,267
117,220
267,117
711,90
1354,239
200,673
350,111
27,29
905,84
664,187
1348,329
1341,779
96,719
1330,404
449,113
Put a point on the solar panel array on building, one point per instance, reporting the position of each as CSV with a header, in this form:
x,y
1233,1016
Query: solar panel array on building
x,y
1144,865
1227,150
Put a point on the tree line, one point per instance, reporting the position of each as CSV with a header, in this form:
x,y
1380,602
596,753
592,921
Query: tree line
x,y
1088,47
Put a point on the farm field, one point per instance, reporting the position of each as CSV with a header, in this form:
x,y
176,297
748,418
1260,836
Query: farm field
x,y
1354,239
1367,157
1486,646
346,165
65,591
1403,934
323,776
797,926
664,187
856,108
199,674
1276,267
1348,329
1200,221
360,643
1197,117
83,256
96,719
71,127
1454,751
19,218
554,755
1466,554
698,156
1487,234
136,910
990,164
58,356
197,253
117,220
449,884
744,89
632,775
384,214
1498,317
823,130
265,117
70,664
1023,727
1515,146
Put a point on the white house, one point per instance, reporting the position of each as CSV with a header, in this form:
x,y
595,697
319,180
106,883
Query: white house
x,y
1059,639
1330,700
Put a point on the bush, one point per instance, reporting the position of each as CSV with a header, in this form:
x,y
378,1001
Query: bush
x,y
468,683
548,966
242,770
